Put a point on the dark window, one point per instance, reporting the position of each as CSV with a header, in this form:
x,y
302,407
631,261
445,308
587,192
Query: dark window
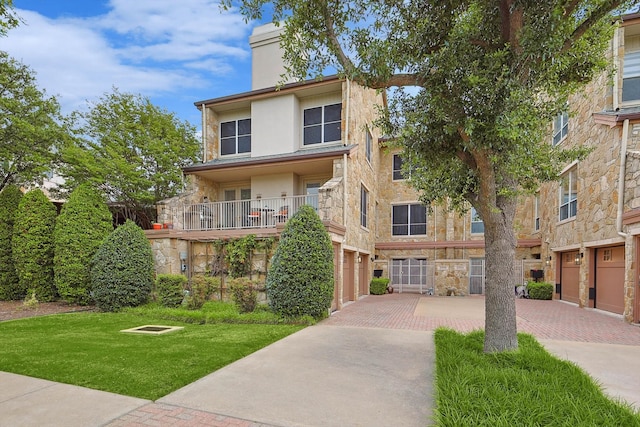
x,y
409,220
364,204
235,137
322,124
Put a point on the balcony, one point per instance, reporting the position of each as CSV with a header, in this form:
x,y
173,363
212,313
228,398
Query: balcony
x,y
239,214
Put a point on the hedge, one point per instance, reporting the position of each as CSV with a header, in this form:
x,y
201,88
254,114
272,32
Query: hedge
x,y
170,289
32,245
122,269
378,286
300,279
540,290
83,224
9,283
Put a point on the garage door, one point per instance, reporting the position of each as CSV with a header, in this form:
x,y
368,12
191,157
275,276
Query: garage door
x,y
570,278
610,279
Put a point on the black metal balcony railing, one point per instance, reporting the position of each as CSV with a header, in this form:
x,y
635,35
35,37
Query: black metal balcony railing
x,y
240,214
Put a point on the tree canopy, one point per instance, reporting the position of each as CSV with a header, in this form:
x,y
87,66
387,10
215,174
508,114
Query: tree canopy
x,y
31,126
132,150
486,78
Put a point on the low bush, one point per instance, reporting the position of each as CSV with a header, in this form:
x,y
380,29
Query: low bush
x,y
540,290
378,286
170,289
244,293
201,288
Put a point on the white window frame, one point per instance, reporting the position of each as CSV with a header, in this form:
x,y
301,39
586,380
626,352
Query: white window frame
x,y
475,220
409,223
368,145
235,137
631,66
568,203
322,124
560,127
364,206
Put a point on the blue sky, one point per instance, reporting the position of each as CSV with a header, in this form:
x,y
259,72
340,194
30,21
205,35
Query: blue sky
x,y
174,52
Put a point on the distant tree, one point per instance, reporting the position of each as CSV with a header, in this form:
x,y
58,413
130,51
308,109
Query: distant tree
x,y
300,279
84,222
32,128
9,201
133,151
32,244
486,79
122,269
8,17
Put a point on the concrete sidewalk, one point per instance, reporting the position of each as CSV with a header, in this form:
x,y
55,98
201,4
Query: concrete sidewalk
x,y
29,402
325,376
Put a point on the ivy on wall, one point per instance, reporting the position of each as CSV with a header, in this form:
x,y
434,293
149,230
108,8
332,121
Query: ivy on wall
x,y
238,253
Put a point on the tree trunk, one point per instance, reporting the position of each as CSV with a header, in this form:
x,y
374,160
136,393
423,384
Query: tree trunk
x,y
500,305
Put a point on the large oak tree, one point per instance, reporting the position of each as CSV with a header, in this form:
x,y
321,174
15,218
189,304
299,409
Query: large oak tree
x,y
488,78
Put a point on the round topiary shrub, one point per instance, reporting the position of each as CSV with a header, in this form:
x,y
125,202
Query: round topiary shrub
x,y
9,283
84,222
170,289
540,290
378,286
122,269
32,245
300,279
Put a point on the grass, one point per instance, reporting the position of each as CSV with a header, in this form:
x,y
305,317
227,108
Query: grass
x,y
87,349
527,387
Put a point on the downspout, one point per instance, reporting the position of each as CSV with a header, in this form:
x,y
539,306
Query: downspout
x,y
344,157
204,134
621,177
616,35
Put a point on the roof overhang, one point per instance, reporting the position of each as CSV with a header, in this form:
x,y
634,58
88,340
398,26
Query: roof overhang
x,y
299,163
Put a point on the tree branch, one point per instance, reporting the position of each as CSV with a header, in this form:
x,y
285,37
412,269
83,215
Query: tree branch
x,y
593,19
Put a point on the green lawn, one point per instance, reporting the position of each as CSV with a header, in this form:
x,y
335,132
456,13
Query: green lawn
x,y
88,349
528,387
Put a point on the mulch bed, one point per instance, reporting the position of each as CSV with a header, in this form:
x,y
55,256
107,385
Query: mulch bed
x,y
10,310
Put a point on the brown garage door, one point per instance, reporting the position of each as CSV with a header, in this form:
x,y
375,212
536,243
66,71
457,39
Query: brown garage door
x,y
610,279
570,278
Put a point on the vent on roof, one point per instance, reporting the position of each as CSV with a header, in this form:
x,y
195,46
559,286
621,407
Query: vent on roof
x,y
153,329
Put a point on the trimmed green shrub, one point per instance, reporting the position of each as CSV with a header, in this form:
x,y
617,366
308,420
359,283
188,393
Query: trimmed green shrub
x,y
9,283
32,245
83,224
300,278
170,289
540,290
122,269
201,288
244,293
378,286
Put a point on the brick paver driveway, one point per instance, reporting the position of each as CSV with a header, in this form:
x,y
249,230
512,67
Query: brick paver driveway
x,y
544,319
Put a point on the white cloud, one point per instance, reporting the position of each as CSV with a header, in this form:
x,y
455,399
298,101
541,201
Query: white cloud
x,y
152,47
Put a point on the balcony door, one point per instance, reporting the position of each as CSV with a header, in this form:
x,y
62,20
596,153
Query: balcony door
x,y
236,206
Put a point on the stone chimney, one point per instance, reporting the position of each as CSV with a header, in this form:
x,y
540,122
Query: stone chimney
x,y
267,64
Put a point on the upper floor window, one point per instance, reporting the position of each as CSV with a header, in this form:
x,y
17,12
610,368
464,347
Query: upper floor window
x,y
322,124
569,194
536,213
409,220
477,225
631,69
364,205
560,127
235,137
397,167
368,145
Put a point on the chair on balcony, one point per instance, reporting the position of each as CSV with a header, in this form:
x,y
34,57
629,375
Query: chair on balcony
x,y
282,215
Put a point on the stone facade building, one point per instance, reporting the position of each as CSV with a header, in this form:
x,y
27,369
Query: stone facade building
x,y
283,144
